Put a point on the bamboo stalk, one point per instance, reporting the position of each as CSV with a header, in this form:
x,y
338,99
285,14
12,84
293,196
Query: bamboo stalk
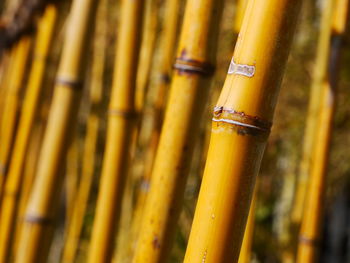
x,y
245,253
186,102
163,73
71,177
314,207
12,104
146,52
14,177
34,242
313,109
240,128
90,144
119,134
31,162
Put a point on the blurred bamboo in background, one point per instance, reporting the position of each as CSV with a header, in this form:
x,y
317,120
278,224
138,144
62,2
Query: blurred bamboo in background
x,y
309,239
320,70
91,140
14,181
121,118
11,108
40,213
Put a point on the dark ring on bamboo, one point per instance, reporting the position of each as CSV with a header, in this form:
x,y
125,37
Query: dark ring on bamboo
x,y
193,66
71,83
308,241
122,113
246,124
38,219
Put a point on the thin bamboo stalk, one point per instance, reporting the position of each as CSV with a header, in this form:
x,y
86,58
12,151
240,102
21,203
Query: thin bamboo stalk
x,y
320,70
246,250
119,133
71,177
187,97
146,53
11,107
31,162
14,177
240,128
163,73
90,144
312,220
36,233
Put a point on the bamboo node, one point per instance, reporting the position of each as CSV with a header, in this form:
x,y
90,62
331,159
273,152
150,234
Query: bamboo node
x,y
71,83
247,125
34,219
241,69
191,66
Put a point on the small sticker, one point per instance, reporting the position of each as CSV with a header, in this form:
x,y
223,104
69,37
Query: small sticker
x,y
241,69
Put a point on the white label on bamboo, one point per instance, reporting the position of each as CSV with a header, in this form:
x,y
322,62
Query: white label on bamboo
x,y
241,69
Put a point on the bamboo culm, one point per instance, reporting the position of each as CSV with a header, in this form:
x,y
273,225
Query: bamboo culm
x,y
240,128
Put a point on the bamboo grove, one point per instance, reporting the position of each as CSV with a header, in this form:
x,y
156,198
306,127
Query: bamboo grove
x,y
149,131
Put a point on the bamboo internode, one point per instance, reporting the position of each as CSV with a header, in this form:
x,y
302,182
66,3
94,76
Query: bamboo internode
x,y
14,177
35,235
186,102
320,71
309,239
12,104
119,133
93,124
241,125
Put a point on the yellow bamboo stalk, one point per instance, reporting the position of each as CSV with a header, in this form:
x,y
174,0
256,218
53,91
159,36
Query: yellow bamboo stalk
x,y
71,177
14,177
163,73
90,144
34,242
186,102
246,250
314,207
12,104
313,108
31,162
147,50
240,128
119,133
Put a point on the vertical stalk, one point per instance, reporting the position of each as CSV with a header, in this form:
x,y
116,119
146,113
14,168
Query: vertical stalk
x,y
163,73
246,250
320,70
71,177
35,237
146,53
240,128
11,107
90,144
14,177
119,133
309,238
187,97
